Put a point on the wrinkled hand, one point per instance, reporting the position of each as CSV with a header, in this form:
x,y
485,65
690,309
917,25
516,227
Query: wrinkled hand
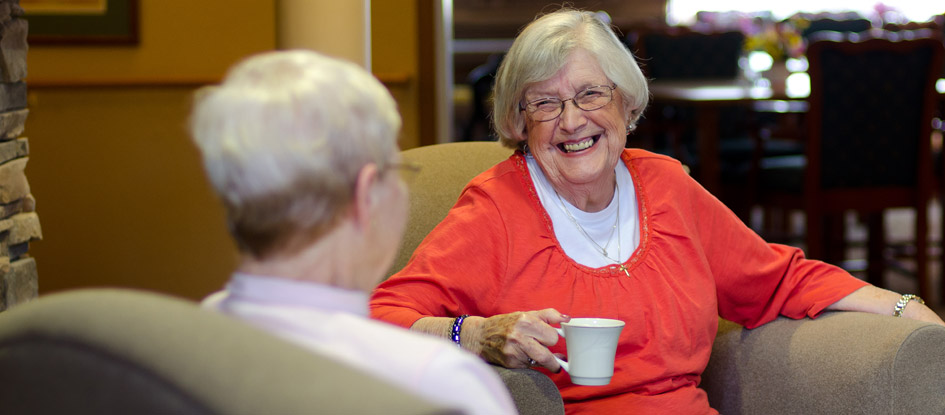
x,y
921,312
512,339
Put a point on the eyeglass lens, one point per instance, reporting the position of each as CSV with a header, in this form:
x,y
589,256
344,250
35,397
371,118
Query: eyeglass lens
x,y
590,99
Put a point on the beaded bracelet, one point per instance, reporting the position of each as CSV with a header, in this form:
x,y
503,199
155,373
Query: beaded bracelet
x,y
457,328
901,304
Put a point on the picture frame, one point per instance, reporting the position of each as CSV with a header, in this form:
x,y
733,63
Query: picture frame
x,y
59,23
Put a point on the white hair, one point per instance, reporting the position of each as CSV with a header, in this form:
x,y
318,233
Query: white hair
x,y
542,49
283,139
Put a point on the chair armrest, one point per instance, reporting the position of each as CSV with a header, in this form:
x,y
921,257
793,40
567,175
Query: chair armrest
x,y
842,362
532,391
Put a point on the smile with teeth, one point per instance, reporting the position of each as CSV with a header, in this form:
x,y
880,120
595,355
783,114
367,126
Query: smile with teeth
x,y
580,145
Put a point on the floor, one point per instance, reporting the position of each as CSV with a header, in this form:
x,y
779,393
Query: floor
x,y
899,229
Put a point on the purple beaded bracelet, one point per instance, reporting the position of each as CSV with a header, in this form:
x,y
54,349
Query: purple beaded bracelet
x,y
457,328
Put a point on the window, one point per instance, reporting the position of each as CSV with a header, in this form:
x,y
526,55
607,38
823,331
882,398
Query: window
x,y
684,11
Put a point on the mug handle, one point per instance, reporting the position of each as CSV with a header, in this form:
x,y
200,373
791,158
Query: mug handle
x,y
564,364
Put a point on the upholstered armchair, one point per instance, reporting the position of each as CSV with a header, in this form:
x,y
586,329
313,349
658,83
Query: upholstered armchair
x,y
840,363
111,351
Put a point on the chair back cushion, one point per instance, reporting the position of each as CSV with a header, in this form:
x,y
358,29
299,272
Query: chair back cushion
x,y
871,108
445,171
674,54
130,352
855,25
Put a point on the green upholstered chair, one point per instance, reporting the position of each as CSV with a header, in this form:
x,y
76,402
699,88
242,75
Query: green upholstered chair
x,y
851,363
110,351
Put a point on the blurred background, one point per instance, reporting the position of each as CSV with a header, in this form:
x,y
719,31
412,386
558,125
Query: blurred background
x,y
118,186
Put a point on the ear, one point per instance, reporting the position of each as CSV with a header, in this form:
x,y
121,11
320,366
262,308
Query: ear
x,y
521,134
368,176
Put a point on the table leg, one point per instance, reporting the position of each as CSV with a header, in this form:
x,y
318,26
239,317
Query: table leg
x,y
707,136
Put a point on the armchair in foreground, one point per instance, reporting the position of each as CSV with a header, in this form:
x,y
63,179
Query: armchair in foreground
x,y
110,351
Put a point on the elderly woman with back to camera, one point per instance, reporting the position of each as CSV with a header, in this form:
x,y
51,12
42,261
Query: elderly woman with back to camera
x,y
302,150
574,224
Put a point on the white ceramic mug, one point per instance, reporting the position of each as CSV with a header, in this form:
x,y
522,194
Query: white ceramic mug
x,y
592,346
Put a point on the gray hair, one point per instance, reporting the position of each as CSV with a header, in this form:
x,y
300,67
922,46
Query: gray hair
x,y
542,48
283,140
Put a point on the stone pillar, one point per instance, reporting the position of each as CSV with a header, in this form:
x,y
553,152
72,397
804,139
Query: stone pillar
x,y
19,223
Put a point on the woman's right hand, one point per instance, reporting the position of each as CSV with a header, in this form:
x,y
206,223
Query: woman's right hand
x,y
513,340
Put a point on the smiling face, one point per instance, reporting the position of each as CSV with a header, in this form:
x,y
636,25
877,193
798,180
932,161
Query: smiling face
x,y
578,150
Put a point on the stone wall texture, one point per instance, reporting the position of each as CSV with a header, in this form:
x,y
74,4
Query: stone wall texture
x,y
19,224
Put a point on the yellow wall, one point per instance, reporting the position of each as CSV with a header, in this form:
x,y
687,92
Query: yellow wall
x,y
181,41
120,192
394,60
119,189
336,28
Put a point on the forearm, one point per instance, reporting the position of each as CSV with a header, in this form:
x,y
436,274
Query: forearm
x,y
518,339
869,299
872,299
470,334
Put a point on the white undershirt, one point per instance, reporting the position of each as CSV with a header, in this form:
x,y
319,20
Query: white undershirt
x,y
597,224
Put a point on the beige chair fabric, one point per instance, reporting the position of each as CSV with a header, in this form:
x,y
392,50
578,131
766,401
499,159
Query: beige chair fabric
x,y
841,363
131,352
445,170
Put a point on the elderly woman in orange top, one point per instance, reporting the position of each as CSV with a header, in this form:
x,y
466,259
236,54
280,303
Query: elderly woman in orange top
x,y
574,224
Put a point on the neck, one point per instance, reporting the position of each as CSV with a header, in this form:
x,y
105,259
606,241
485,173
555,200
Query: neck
x,y
325,261
592,197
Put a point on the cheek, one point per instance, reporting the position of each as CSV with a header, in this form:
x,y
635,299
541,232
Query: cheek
x,y
616,124
539,133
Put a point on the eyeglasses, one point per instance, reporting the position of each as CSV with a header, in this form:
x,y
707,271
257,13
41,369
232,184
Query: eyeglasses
x,y
408,170
590,99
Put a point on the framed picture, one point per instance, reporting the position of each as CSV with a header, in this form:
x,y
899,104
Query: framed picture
x,y
81,22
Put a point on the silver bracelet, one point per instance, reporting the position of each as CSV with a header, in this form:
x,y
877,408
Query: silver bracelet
x,y
901,304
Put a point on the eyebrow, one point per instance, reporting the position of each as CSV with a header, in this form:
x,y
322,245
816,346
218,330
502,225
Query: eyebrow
x,y
545,94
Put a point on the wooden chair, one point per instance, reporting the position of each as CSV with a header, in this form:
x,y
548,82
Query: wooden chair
x,y
836,24
682,54
868,140
679,54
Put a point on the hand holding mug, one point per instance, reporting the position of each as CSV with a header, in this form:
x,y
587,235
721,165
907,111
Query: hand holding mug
x,y
517,340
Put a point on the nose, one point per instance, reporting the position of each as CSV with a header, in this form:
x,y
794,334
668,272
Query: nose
x,y
572,117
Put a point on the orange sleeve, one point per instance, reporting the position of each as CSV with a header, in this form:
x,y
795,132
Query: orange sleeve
x,y
469,246
757,281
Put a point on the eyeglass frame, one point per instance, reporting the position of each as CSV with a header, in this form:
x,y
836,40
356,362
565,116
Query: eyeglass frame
x,y
612,87
406,168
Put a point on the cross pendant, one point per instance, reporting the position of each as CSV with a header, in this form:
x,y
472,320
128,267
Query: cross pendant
x,y
623,268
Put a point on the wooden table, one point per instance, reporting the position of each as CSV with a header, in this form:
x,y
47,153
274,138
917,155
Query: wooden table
x,y
708,97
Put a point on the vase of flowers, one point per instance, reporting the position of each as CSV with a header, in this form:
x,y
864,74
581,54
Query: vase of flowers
x,y
780,40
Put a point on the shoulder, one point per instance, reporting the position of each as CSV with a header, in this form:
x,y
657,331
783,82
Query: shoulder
x,y
503,176
656,171
652,161
430,366
430,356
505,185
398,339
